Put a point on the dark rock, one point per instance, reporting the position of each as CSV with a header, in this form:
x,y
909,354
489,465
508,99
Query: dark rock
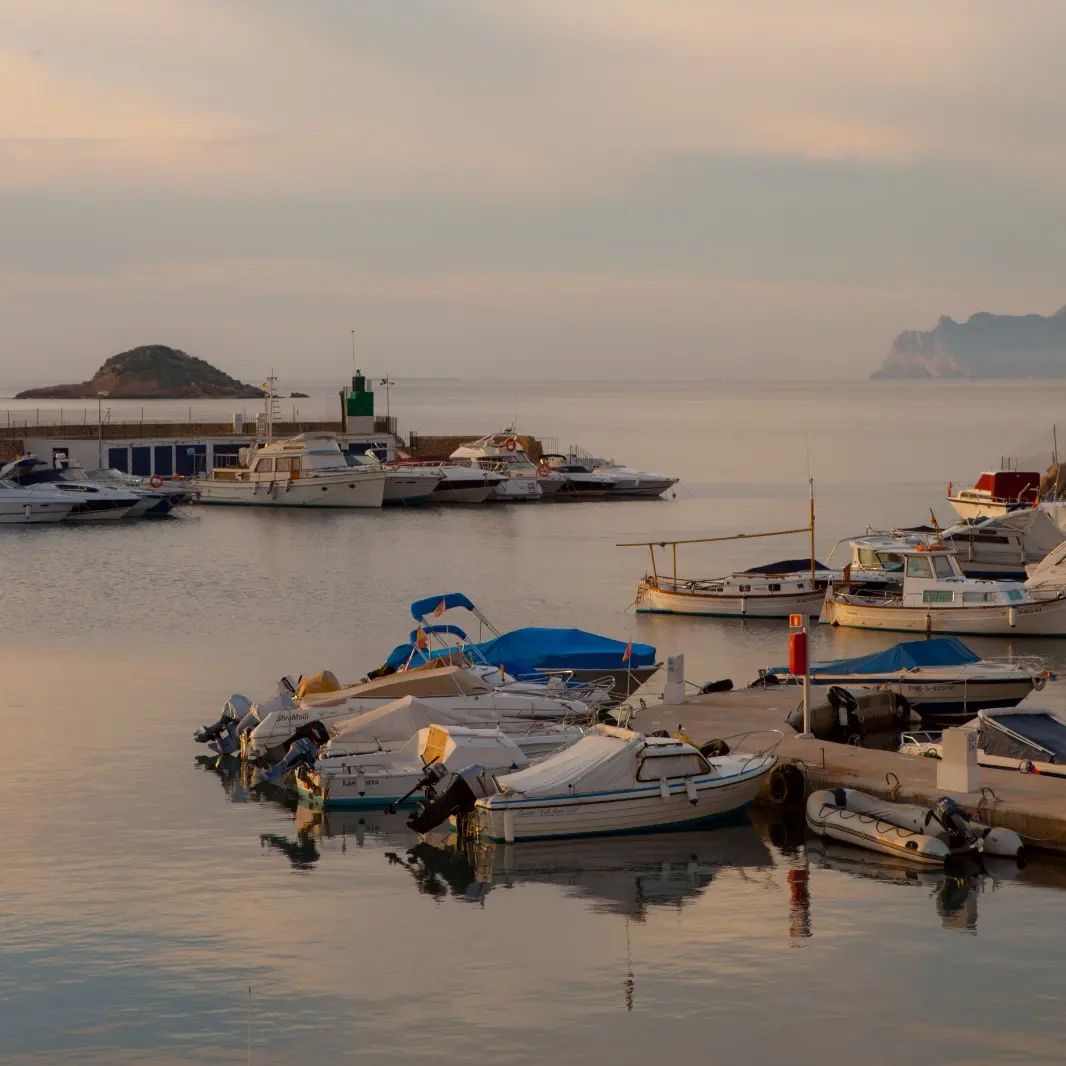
x,y
152,372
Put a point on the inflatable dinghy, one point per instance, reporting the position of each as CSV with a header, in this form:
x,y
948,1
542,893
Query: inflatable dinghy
x,y
929,835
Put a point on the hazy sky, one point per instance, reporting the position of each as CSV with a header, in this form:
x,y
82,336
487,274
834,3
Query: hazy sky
x,y
545,187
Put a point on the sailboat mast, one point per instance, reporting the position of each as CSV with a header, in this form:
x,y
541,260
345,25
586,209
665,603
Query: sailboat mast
x,y
811,480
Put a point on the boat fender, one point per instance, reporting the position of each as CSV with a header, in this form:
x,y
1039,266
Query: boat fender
x,y
725,685
155,481
713,748
664,789
690,788
785,786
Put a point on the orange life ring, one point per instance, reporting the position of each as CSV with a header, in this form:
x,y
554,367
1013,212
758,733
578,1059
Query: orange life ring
x,y
511,444
544,469
155,481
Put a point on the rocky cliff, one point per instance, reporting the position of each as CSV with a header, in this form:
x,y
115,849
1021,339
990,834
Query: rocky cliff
x,y
152,372
985,346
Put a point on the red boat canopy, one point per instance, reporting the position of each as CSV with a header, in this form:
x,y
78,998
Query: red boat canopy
x,y
1010,486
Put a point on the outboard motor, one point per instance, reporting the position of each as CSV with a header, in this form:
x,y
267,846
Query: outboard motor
x,y
464,790
953,819
301,749
223,736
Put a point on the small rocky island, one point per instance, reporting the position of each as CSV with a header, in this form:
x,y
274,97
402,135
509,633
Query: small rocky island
x,y
985,346
152,372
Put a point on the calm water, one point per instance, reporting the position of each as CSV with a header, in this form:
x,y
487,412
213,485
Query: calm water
x,y
145,891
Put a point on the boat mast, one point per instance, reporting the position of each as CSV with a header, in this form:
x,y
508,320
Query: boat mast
x,y
271,406
811,480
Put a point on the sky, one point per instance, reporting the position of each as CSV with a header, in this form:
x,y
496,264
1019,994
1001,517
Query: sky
x,y
685,189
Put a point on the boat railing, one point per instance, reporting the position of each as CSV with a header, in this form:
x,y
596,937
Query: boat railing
x,y
561,683
763,754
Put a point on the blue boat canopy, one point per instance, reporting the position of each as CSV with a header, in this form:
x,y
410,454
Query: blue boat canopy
x,y
940,651
420,608
786,566
524,651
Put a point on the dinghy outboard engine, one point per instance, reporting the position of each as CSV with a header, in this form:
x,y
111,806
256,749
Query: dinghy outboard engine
x,y
464,790
947,813
301,749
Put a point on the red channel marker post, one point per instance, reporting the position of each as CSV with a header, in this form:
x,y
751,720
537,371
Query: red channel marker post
x,y
799,663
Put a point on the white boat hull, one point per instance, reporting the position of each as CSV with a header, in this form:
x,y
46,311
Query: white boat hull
x,y
406,489
769,605
633,810
455,491
365,490
30,511
517,489
975,507
1042,619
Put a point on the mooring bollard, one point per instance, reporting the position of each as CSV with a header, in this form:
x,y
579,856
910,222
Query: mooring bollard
x,y
957,770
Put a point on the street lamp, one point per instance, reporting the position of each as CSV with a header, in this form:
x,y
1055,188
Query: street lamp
x,y
386,383
100,429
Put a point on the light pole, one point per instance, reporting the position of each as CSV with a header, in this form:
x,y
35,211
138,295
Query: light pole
x,y
100,429
386,383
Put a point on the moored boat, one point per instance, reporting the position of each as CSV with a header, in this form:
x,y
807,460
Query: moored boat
x,y
938,678
611,781
926,835
995,493
502,453
936,597
308,470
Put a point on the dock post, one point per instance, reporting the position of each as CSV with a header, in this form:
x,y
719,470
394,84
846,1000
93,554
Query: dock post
x,y
799,663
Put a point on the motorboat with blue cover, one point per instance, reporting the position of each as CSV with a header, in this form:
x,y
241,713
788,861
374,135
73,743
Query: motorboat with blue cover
x,y
939,678
533,651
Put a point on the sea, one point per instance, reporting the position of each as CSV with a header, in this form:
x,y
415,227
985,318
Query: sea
x,y
157,908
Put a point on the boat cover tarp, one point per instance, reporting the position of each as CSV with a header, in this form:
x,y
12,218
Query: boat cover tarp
x,y
396,721
523,651
1039,737
907,655
596,763
1052,571
786,566
421,608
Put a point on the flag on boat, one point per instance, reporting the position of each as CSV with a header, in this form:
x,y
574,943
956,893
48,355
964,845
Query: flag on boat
x,y
440,608
628,653
420,639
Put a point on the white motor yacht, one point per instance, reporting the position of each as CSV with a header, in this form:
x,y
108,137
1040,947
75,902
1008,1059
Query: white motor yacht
x,y
502,453
168,493
579,482
995,493
24,506
92,503
308,470
626,482
404,484
457,482
936,597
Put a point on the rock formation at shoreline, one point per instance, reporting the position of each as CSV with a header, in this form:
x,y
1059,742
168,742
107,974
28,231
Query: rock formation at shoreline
x,y
151,372
985,346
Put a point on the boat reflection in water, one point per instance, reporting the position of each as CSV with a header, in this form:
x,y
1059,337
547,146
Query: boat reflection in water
x,y
622,875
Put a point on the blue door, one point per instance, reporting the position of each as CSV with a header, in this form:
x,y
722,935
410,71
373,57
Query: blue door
x,y
142,460
190,458
118,459
164,460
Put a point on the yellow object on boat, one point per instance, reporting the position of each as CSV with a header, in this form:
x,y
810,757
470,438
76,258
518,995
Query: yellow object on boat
x,y
324,681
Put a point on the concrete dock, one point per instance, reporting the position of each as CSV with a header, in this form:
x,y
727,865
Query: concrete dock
x,y
1033,805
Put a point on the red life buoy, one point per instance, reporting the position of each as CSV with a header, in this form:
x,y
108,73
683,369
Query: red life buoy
x,y
543,469
155,481
511,444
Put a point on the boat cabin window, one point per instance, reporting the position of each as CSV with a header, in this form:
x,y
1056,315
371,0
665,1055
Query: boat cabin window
x,y
263,466
1015,595
744,588
918,566
937,596
875,560
942,566
286,463
978,597
773,587
689,765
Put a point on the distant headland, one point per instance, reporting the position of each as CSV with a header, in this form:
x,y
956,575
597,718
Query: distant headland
x,y
985,346
151,372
